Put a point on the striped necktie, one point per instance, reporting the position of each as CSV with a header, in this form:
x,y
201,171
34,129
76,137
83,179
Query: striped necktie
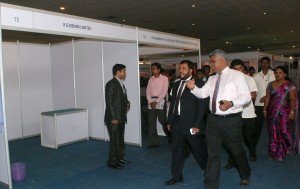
x,y
214,99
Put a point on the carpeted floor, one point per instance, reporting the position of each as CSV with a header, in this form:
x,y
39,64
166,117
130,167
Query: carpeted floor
x,y
82,165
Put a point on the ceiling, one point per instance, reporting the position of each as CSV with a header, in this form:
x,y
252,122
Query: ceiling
x,y
232,25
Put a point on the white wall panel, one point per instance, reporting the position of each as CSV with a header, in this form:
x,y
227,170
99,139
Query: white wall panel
x,y
89,84
36,87
62,76
12,90
126,53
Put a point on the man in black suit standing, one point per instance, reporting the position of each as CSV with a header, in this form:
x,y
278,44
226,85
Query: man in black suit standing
x,y
117,106
186,123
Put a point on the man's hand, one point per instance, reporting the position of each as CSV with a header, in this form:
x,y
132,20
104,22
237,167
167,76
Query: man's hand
x,y
262,100
190,84
115,122
169,127
225,105
153,104
195,130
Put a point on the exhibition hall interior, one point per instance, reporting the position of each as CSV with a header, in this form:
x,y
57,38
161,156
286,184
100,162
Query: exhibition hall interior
x,y
57,57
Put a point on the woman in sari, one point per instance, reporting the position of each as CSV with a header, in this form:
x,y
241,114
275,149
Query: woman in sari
x,y
281,110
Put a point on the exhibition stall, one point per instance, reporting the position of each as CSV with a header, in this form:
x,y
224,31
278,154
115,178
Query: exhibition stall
x,y
38,78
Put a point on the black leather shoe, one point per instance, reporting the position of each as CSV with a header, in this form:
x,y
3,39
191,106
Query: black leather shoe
x,y
228,166
115,165
253,158
173,181
245,182
123,161
152,146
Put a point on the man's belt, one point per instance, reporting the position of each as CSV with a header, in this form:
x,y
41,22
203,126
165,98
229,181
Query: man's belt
x,y
227,115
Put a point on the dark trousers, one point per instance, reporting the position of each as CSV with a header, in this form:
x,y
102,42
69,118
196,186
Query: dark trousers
x,y
196,143
117,144
227,132
249,133
152,120
258,123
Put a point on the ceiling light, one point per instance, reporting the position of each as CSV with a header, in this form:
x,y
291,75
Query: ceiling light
x,y
193,6
248,28
249,47
292,31
265,13
290,57
227,42
62,8
294,46
193,24
258,49
123,20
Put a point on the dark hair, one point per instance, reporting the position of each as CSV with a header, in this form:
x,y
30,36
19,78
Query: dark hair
x,y
236,62
206,66
265,58
117,67
158,66
188,62
251,68
284,71
200,70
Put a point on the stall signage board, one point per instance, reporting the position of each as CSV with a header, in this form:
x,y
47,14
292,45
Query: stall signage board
x,y
152,37
16,18
63,24
38,21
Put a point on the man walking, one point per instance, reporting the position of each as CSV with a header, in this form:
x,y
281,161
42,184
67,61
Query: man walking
x,y
186,123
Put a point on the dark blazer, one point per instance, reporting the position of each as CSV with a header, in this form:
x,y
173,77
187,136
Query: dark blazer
x,y
192,109
116,102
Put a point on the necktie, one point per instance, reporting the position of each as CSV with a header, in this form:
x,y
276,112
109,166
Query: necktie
x,y
124,89
214,99
178,98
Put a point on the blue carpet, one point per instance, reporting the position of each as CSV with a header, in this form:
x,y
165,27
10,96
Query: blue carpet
x,y
82,165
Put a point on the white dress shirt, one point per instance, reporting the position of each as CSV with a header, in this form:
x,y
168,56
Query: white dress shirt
x,y
233,87
262,82
248,109
184,85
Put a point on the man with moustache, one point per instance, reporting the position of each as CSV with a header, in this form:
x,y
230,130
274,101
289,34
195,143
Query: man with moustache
x,y
262,79
228,92
186,123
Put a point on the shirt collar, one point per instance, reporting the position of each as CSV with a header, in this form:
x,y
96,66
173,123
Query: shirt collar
x,y
225,70
120,81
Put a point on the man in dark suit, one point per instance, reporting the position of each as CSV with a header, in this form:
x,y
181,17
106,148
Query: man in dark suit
x,y
186,123
117,106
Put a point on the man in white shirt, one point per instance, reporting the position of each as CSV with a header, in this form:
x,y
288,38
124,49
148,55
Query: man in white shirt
x,y
228,92
248,114
262,79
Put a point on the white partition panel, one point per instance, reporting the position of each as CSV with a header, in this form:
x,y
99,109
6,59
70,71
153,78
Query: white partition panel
x,y
62,76
12,90
4,176
89,84
36,86
126,53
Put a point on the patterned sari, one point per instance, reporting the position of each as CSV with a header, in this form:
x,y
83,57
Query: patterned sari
x,y
281,139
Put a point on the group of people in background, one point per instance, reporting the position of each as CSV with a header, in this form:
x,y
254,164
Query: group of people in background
x,y
217,108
